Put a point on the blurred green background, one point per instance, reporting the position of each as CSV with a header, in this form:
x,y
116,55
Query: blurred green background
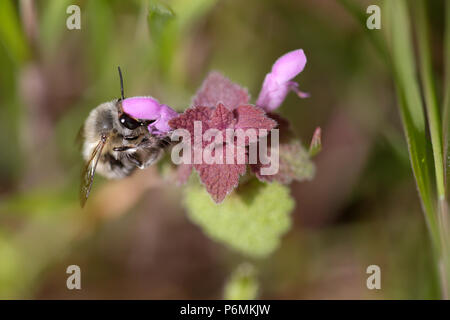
x,y
134,239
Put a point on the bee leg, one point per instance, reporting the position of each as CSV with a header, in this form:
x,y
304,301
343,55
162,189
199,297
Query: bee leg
x,y
134,160
130,137
124,148
161,142
165,142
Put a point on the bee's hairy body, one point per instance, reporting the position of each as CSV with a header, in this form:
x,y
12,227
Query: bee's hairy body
x,y
125,149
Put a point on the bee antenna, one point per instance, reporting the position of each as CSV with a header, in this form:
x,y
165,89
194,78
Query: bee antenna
x,y
121,83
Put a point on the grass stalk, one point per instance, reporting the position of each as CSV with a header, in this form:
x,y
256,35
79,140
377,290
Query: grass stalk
x,y
446,103
398,51
434,123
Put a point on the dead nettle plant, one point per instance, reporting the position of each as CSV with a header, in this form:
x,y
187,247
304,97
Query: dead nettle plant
x,y
235,203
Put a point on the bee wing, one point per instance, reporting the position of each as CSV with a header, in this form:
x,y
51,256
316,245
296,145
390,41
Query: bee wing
x,y
79,138
87,177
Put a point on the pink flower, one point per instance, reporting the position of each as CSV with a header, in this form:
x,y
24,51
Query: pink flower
x,y
148,108
278,82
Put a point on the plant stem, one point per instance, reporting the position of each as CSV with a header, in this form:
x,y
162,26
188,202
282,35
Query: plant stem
x,y
446,113
443,202
408,92
432,108
434,122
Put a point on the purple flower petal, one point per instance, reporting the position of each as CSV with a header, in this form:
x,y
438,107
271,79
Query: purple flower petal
x,y
167,113
278,82
148,108
142,107
289,65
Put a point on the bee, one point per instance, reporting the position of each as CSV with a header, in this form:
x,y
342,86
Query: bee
x,y
122,135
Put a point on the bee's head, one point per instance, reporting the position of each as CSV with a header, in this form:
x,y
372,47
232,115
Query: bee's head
x,y
125,119
129,122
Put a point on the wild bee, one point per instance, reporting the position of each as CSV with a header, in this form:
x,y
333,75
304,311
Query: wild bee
x,y
122,135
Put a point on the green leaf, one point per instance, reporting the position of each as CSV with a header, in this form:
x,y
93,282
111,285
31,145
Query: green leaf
x,y
251,220
243,284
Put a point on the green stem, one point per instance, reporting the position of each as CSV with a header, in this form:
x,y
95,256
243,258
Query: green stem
x,y
446,113
413,119
434,122
443,201
432,108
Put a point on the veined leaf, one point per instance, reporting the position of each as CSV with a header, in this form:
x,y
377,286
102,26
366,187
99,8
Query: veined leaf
x,y
251,220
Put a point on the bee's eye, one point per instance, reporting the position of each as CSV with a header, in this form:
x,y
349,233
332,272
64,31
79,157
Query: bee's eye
x,y
129,122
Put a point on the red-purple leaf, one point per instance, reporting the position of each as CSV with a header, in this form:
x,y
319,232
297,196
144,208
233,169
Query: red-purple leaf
x,y
217,88
220,179
251,117
283,125
221,118
186,119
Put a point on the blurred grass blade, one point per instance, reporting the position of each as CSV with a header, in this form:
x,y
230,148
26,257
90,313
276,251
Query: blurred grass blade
x,y
53,23
400,58
99,17
434,122
444,204
446,117
159,16
168,25
398,27
357,11
11,34
426,70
